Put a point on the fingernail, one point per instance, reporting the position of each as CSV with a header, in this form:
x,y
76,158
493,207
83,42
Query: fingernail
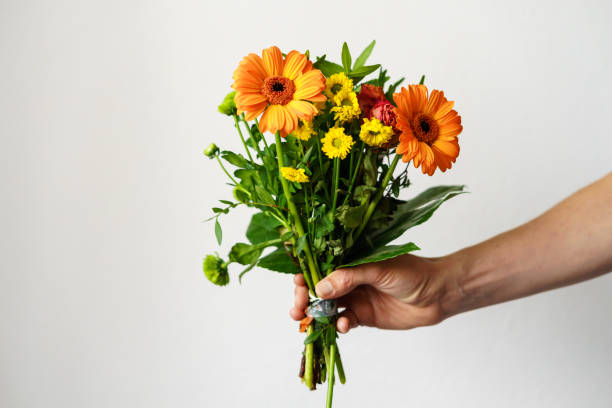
x,y
324,289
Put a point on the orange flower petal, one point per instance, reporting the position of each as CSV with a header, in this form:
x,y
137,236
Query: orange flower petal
x,y
294,64
305,322
273,61
304,110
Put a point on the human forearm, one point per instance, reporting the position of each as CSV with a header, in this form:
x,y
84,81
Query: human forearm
x,y
569,243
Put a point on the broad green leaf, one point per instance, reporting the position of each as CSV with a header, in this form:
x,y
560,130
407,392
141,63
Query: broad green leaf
x,y
407,215
380,254
346,57
236,159
301,243
278,261
218,231
365,54
244,254
262,228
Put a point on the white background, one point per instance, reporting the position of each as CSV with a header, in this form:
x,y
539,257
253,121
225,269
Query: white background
x,y
105,108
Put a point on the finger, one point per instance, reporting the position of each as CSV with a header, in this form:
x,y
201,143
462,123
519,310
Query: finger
x,y
301,297
343,281
297,314
346,321
299,280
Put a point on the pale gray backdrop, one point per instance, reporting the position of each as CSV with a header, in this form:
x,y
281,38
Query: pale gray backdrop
x,y
105,108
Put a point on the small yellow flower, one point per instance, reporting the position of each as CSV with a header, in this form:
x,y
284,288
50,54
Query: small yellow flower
x,y
346,106
336,143
304,131
336,83
297,175
374,133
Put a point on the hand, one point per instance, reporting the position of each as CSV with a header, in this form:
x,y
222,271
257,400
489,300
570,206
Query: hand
x,y
399,293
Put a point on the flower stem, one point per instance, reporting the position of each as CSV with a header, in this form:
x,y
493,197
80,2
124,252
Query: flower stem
x,y
336,178
330,374
339,366
354,177
314,274
309,360
225,170
379,194
242,138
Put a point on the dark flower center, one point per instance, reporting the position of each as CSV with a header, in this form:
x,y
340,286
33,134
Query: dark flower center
x,y
425,128
278,90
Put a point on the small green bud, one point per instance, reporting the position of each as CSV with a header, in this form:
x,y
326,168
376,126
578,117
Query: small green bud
x,y
211,151
215,270
228,106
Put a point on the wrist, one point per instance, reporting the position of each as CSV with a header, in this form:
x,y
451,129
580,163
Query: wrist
x,y
455,272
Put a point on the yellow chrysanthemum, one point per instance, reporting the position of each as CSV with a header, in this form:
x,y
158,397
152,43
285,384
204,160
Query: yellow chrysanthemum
x,y
374,133
297,175
337,83
346,106
336,143
304,131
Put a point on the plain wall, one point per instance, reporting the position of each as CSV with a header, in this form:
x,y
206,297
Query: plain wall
x,y
105,108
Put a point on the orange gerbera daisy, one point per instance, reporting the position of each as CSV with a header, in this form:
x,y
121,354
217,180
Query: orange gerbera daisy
x,y
429,127
282,89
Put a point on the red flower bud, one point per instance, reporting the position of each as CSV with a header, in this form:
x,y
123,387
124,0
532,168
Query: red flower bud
x,y
385,112
368,96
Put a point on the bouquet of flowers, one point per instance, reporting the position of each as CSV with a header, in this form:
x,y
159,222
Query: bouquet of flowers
x,y
326,183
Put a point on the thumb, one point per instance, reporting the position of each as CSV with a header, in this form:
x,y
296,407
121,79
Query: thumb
x,y
342,281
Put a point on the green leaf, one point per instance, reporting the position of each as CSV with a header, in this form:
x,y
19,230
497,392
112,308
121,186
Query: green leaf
x,y
262,228
380,254
244,254
422,81
409,214
359,73
350,217
301,243
264,195
346,57
328,68
278,261
312,337
218,231
237,160
362,58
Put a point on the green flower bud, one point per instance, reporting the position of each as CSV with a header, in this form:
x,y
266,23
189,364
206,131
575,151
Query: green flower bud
x,y
211,151
215,270
228,106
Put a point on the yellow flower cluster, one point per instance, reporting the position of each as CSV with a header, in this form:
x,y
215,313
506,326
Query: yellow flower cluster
x,y
336,143
346,106
374,133
337,83
296,175
304,131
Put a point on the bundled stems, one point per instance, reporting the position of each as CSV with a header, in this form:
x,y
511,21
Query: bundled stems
x,y
378,196
314,275
330,374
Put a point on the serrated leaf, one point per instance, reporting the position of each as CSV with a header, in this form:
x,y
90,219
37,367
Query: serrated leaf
x,y
380,254
218,231
278,261
346,57
365,54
